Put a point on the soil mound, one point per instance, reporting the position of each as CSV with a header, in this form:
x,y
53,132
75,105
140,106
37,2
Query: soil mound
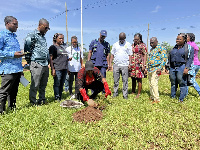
x,y
88,114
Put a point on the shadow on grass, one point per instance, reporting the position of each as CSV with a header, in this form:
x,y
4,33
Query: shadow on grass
x,y
49,100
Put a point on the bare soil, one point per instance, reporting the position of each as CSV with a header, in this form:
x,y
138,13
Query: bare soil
x,y
88,114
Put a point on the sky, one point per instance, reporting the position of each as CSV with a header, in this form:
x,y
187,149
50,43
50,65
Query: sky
x,y
166,18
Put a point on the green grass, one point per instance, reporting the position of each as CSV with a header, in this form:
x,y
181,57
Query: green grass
x,y
127,124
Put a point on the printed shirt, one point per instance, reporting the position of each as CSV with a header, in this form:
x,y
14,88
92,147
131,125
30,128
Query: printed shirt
x,y
157,58
8,46
100,52
74,65
196,50
121,53
40,52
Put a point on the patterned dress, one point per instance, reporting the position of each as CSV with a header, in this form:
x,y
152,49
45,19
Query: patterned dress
x,y
137,62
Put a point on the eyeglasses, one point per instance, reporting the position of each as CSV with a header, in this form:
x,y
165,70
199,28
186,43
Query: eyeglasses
x,y
46,28
15,24
121,40
74,42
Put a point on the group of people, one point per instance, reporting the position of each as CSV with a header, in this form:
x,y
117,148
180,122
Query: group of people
x,y
129,60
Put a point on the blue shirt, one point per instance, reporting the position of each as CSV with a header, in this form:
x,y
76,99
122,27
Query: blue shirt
x,y
100,52
178,56
8,46
36,43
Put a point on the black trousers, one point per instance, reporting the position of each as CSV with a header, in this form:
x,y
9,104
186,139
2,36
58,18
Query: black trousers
x,y
96,86
9,89
71,80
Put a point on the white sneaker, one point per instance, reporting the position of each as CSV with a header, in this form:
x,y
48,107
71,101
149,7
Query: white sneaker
x,y
72,97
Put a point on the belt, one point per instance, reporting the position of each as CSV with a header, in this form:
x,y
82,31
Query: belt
x,y
175,64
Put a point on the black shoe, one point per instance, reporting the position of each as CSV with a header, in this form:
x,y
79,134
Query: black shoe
x,y
39,103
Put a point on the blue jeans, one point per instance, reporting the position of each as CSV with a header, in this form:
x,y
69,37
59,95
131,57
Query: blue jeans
x,y
194,82
177,77
59,81
102,70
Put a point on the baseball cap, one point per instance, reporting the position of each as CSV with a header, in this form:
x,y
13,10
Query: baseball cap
x,y
89,65
103,32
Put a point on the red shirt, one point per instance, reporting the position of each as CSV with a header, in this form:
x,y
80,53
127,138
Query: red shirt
x,y
89,79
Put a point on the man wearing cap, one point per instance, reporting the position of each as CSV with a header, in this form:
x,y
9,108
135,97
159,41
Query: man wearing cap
x,y
90,77
99,53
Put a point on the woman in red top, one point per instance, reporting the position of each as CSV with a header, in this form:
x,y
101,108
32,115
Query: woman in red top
x,y
138,63
90,77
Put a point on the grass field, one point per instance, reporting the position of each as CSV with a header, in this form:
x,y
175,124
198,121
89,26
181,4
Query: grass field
x,y
127,124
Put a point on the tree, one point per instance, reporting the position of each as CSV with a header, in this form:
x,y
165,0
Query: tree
x,y
167,46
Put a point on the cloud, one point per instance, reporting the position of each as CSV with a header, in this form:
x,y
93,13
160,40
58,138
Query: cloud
x,y
156,9
56,11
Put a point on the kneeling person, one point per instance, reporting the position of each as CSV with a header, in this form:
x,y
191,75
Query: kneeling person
x,y
90,77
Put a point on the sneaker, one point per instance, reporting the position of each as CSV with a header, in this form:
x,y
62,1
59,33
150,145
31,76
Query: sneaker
x,y
181,101
156,102
73,97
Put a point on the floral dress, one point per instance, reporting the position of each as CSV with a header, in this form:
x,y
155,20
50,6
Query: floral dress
x,y
137,62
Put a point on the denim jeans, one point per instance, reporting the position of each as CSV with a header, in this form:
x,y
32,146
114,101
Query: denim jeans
x,y
194,82
177,77
103,72
59,81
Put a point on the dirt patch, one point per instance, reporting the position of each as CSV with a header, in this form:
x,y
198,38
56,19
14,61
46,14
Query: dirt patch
x,y
88,114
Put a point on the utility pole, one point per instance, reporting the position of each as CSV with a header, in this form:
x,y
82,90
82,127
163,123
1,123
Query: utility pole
x,y
66,22
81,28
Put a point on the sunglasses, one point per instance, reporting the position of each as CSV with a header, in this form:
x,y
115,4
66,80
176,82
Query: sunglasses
x,y
15,24
74,42
46,28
